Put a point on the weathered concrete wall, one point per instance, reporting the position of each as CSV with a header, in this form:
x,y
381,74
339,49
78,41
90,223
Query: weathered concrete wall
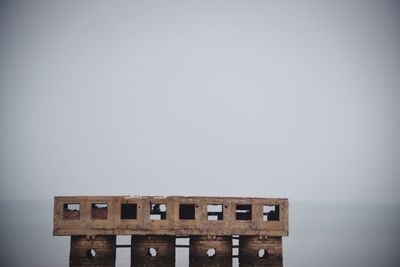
x,y
260,251
92,251
152,250
210,251
91,220
154,222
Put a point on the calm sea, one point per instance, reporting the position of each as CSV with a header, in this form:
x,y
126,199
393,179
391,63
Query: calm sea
x,y
320,234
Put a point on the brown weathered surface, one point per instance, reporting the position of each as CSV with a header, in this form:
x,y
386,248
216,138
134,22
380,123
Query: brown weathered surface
x,y
112,224
104,247
154,222
71,214
164,247
99,213
199,245
249,247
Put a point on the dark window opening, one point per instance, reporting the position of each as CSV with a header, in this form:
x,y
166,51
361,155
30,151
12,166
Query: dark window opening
x,y
187,211
215,212
71,211
99,211
271,213
243,212
158,211
128,211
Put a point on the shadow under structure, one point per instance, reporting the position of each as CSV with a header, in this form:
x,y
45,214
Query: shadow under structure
x,y
218,228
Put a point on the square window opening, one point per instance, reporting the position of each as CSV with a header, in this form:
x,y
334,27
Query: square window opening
x,y
158,211
124,239
182,241
182,253
235,241
215,212
99,211
71,211
187,211
128,211
270,213
243,212
235,252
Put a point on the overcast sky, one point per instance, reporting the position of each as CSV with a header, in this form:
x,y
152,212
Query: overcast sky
x,y
292,99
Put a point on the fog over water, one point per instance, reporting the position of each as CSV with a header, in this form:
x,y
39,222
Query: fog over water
x,y
296,100
214,98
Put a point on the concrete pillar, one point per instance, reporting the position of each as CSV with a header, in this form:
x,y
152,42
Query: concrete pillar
x,y
92,251
152,250
260,251
210,251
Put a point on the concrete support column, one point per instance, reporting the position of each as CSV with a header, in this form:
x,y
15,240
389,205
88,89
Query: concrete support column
x,y
260,251
210,251
92,251
152,250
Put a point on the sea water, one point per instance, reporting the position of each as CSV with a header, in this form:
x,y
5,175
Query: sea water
x,y
320,234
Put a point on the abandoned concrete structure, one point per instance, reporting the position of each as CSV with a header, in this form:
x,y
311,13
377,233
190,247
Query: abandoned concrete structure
x,y
154,224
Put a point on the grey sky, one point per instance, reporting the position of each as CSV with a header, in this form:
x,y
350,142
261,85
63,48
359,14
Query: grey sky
x,y
249,98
